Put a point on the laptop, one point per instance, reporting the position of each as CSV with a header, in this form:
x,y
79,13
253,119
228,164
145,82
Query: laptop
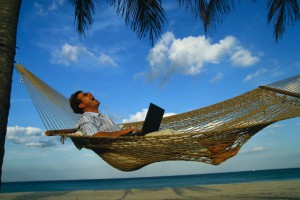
x,y
152,121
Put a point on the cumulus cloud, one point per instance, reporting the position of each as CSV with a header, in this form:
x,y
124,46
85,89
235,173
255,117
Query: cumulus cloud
x,y
70,54
140,116
79,54
254,150
243,58
28,136
190,55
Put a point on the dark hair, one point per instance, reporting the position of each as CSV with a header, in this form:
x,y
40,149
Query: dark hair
x,y
74,102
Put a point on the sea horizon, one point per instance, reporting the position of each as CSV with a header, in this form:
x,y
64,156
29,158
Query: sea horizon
x,y
138,177
154,181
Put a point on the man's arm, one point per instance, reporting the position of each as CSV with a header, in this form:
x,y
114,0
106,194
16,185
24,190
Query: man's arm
x,y
116,134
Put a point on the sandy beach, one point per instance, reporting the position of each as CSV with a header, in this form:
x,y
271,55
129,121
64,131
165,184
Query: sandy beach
x,y
255,190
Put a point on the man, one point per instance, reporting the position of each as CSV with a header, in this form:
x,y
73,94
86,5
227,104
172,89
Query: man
x,y
91,121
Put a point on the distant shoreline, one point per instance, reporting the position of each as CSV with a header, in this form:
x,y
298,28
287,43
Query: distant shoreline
x,y
289,189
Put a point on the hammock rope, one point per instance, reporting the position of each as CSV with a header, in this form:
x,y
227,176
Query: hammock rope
x,y
211,134
52,106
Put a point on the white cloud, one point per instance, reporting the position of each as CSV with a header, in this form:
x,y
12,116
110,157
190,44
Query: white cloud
x,y
169,114
259,72
79,54
264,76
254,150
70,54
56,4
28,136
217,78
39,9
106,60
190,55
41,144
43,10
140,116
30,131
276,126
243,58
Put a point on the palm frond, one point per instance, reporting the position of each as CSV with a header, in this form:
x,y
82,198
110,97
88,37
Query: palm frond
x,y
210,12
216,12
281,13
84,11
145,17
198,7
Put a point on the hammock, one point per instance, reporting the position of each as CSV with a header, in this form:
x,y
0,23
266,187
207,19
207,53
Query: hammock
x,y
211,134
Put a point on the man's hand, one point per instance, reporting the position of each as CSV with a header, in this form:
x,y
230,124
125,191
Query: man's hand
x,y
133,130
117,133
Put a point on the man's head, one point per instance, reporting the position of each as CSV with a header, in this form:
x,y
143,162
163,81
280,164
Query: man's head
x,y
74,103
81,102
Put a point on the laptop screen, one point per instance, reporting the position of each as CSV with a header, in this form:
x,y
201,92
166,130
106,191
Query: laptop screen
x,y
153,119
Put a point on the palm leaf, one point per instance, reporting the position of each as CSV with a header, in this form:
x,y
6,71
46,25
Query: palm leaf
x,y
281,13
210,12
145,17
84,11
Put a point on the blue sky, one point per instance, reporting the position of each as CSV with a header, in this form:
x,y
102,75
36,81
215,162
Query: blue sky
x,y
184,70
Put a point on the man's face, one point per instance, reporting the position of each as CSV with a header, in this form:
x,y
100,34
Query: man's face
x,y
87,100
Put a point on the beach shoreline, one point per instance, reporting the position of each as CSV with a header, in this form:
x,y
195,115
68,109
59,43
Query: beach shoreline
x,y
289,189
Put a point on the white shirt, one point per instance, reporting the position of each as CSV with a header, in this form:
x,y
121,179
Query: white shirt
x,y
90,123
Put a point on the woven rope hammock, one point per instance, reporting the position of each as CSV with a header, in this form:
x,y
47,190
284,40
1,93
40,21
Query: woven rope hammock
x,y
211,134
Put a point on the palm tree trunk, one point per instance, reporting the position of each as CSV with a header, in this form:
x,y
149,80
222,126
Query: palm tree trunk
x,y
9,15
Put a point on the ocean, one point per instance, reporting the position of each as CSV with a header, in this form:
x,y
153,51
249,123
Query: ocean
x,y
154,182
